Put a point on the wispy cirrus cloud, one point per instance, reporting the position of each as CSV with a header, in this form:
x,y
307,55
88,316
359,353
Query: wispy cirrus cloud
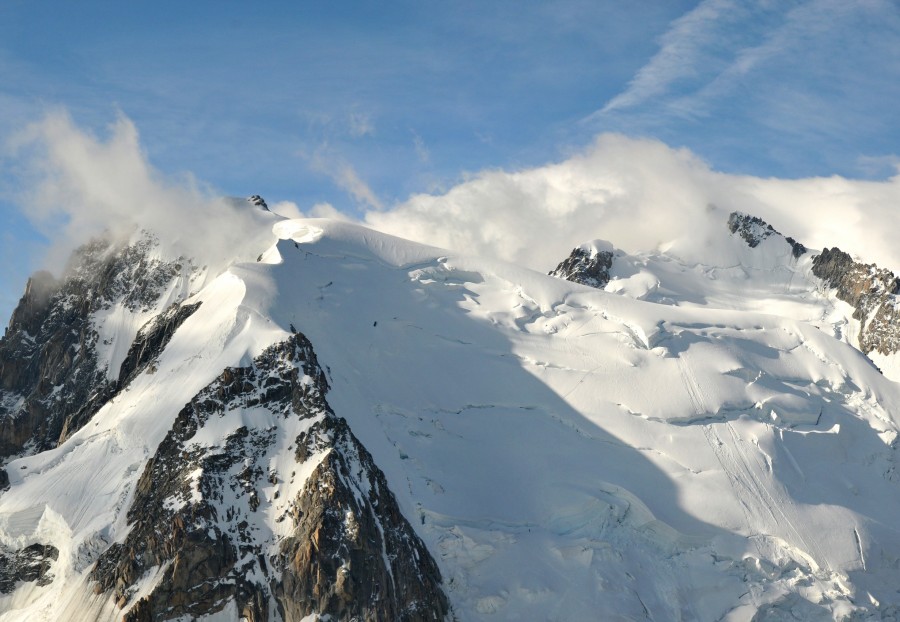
x,y
683,48
797,33
421,148
788,82
360,124
326,161
712,50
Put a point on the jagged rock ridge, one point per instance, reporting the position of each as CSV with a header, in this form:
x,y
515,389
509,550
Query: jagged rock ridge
x,y
871,291
51,381
754,230
152,339
30,564
258,201
341,548
588,264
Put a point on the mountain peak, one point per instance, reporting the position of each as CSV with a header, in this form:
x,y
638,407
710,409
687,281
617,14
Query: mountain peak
x,y
362,427
753,230
258,201
588,264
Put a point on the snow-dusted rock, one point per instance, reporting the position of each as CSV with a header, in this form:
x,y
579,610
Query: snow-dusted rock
x,y
589,264
55,372
754,230
222,514
873,294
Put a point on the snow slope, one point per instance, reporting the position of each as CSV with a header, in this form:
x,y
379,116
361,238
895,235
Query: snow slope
x,y
769,277
565,453
541,425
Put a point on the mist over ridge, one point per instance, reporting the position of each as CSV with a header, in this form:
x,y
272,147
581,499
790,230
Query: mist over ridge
x,y
638,193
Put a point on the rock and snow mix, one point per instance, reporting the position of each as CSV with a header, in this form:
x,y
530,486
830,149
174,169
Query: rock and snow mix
x,y
695,441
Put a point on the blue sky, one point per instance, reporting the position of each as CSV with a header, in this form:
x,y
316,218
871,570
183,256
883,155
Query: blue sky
x,y
361,104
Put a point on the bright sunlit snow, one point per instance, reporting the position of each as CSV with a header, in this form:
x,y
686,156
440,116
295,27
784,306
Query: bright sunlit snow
x,y
701,441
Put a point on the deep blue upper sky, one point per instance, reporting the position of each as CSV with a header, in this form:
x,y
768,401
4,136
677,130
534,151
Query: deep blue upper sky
x,y
285,98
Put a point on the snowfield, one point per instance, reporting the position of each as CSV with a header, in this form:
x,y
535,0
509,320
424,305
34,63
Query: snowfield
x,y
701,441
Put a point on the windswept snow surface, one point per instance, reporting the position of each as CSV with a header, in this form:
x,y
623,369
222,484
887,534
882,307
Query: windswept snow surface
x,y
565,453
729,274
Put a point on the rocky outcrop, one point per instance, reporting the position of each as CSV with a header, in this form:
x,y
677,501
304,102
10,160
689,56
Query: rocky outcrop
x,y
30,565
874,293
50,380
588,264
198,515
871,291
258,201
151,340
352,553
754,230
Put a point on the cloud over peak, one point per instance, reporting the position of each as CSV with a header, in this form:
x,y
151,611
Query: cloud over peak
x,y
640,194
75,185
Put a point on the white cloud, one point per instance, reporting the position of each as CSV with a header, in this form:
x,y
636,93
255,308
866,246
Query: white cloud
x,y
76,185
343,175
637,193
288,209
682,48
641,194
327,210
346,177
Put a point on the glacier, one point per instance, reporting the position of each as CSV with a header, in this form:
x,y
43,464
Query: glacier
x,y
701,438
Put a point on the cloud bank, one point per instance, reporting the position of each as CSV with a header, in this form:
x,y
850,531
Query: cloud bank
x,y
641,195
76,185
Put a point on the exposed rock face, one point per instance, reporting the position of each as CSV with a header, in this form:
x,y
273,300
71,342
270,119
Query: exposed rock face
x,y
588,264
874,293
50,379
152,339
343,547
258,201
754,230
31,564
347,527
871,291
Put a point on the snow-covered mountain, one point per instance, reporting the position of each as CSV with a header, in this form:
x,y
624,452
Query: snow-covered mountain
x,y
857,303
362,427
